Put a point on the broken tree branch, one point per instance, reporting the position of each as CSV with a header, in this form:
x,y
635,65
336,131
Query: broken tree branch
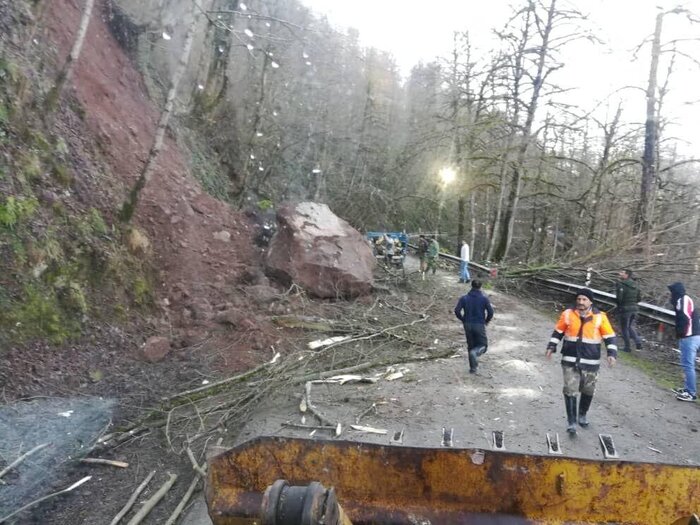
x,y
20,459
306,322
100,461
311,408
196,465
49,496
185,499
309,427
130,503
153,501
376,334
213,388
371,364
371,408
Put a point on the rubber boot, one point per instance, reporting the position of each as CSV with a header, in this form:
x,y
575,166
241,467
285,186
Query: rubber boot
x,y
570,402
583,407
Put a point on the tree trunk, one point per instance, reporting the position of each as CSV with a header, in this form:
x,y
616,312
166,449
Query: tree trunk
x,y
461,204
54,94
494,230
600,173
472,217
215,61
506,230
129,207
649,159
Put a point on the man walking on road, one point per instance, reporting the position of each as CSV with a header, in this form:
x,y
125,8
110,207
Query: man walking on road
x,y
627,296
688,332
464,263
475,312
583,329
433,251
423,254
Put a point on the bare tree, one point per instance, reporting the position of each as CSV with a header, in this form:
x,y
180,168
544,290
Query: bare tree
x,y
544,27
650,159
129,207
651,127
64,75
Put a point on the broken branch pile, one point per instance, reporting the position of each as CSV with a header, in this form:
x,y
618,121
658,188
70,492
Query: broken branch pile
x,y
386,333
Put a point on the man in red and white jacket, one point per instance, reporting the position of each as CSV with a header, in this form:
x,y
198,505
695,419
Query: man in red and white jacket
x,y
688,332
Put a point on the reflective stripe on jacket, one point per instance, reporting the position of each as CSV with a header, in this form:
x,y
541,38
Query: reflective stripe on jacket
x,y
581,346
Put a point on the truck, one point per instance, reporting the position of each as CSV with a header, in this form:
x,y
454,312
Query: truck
x,y
285,481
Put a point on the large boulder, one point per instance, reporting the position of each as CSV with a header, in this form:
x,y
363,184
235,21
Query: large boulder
x,y
320,252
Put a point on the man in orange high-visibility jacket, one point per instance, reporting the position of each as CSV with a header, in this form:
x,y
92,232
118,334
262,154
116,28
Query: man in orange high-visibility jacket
x,y
583,329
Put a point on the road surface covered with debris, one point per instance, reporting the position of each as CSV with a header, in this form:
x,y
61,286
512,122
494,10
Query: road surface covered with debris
x,y
517,395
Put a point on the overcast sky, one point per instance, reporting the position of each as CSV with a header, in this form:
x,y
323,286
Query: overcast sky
x,y
418,31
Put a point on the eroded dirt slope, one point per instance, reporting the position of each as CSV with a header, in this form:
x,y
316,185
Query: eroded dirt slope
x,y
201,247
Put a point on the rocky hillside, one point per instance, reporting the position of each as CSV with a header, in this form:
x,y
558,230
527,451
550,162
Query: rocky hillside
x,y
76,285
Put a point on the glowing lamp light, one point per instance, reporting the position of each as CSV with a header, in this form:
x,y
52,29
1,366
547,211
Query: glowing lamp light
x,y
447,175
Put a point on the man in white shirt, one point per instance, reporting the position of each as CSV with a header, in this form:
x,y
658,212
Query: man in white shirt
x,y
464,263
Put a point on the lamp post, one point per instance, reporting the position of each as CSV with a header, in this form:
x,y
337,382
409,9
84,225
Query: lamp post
x,y
447,176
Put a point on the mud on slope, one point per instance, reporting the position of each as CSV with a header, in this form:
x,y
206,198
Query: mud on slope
x,y
202,250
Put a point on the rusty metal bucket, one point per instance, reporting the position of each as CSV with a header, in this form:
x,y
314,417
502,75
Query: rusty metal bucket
x,y
406,485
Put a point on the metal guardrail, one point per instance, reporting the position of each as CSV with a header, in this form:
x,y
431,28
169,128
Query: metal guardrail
x,y
648,310
457,260
472,265
651,311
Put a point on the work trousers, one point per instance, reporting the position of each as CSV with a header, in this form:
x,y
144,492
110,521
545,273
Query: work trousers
x,y
627,325
577,380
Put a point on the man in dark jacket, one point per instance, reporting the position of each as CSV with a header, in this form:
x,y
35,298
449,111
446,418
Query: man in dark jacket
x,y
627,296
475,312
688,332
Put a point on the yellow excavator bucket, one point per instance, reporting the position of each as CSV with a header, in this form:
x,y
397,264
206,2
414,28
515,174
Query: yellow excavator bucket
x,y
407,485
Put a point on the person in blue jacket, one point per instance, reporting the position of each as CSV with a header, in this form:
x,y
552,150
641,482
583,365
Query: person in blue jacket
x,y
475,311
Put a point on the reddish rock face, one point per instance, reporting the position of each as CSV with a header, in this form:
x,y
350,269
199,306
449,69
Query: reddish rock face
x,y
320,252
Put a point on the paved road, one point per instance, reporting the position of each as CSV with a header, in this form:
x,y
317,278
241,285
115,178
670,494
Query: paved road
x,y
518,392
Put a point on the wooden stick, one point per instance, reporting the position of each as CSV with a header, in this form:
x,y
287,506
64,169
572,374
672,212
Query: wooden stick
x,y
371,364
20,459
37,501
373,406
100,461
153,501
130,503
195,465
180,506
323,419
311,408
195,393
308,427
